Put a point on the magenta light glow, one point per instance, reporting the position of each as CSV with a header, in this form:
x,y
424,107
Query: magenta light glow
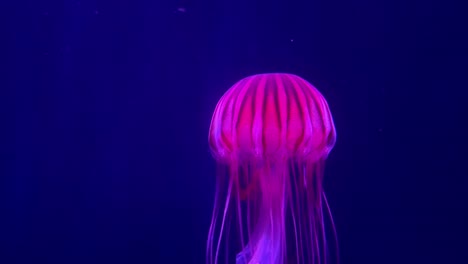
x,y
270,134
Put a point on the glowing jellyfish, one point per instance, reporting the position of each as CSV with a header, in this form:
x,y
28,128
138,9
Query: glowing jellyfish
x,y
270,134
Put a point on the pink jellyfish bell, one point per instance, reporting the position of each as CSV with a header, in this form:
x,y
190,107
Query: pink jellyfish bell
x,y
270,134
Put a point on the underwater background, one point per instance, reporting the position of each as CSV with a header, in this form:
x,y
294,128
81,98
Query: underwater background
x,y
105,108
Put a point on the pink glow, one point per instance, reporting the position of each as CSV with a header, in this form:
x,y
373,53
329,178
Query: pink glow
x,y
270,134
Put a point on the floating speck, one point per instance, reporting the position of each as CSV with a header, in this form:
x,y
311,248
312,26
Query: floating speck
x,y
96,12
180,10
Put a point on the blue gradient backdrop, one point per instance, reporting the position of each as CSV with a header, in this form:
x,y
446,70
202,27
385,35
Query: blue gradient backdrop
x,y
106,105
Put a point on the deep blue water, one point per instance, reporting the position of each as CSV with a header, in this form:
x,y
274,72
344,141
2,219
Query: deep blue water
x,y
106,106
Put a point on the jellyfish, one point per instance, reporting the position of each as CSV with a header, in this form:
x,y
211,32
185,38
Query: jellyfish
x,y
270,135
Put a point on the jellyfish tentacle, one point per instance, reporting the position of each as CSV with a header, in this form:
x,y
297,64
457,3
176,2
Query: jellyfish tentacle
x,y
295,228
241,196
226,207
214,218
335,235
315,255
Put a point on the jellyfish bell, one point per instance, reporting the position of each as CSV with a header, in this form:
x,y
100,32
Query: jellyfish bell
x,y
272,116
272,133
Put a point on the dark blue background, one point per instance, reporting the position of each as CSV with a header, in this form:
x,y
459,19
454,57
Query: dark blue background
x,y
106,107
